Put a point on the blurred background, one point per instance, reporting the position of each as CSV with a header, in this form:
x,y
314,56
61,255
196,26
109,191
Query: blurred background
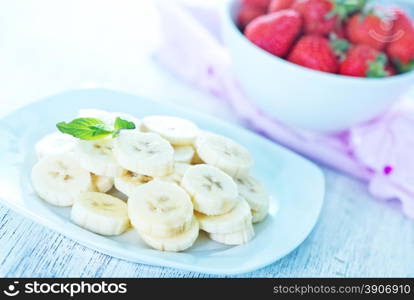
x,y
48,46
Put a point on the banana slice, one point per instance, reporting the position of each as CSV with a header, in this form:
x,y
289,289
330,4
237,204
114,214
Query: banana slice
x,y
213,191
260,213
97,157
128,181
144,153
59,179
107,117
235,238
256,196
175,130
183,154
178,174
235,220
253,192
100,213
54,143
102,184
160,209
224,154
175,243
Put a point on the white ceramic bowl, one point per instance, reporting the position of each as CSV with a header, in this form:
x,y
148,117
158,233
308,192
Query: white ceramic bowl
x,y
303,97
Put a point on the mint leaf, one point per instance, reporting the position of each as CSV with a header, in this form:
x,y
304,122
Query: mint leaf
x,y
85,128
123,124
93,129
101,129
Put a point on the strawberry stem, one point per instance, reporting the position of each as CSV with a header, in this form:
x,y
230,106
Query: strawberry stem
x,y
344,8
339,46
403,68
376,68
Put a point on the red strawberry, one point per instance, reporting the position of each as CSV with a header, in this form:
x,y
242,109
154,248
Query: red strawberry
x,y
314,52
390,69
247,13
401,47
275,32
318,15
364,61
258,3
339,31
276,5
369,29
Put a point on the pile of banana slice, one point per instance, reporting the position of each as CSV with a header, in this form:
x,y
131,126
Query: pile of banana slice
x,y
177,179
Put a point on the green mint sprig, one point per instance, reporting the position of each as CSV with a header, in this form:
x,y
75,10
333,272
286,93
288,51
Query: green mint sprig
x,y
94,129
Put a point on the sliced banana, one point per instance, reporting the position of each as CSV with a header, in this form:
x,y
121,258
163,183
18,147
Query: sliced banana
x,y
213,191
144,153
235,220
253,192
59,179
160,209
223,153
102,184
97,157
174,243
235,238
107,117
176,130
177,175
100,213
128,181
260,213
183,154
54,143
178,180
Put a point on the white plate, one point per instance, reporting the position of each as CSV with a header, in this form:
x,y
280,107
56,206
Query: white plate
x,y
295,182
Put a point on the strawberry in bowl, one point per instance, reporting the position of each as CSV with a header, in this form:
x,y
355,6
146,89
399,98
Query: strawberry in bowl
x,y
325,65
401,46
284,22
314,52
275,32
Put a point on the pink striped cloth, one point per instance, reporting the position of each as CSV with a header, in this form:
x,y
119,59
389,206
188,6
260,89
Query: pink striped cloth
x,y
378,152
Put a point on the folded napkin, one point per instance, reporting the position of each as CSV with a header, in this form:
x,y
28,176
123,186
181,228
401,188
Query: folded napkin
x,y
378,152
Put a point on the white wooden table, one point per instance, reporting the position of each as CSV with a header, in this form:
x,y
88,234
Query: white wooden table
x,y
47,46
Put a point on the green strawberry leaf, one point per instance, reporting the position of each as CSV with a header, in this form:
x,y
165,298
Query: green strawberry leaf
x,y
353,6
333,13
404,68
376,68
344,8
339,46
